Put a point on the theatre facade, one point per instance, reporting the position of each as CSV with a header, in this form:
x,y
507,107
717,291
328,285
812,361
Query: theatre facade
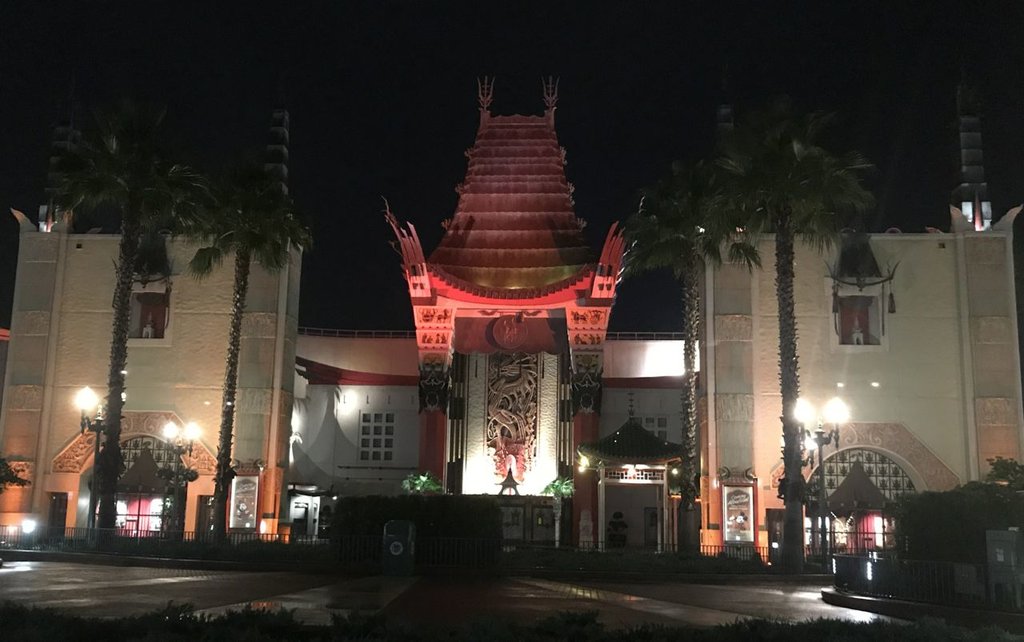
x,y
511,378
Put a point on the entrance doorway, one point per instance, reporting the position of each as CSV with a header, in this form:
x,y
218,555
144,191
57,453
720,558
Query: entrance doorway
x,y
57,515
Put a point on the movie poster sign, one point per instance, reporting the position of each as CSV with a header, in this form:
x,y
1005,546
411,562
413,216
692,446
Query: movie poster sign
x,y
244,490
738,513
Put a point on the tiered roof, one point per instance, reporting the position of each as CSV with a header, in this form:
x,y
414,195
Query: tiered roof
x,y
514,229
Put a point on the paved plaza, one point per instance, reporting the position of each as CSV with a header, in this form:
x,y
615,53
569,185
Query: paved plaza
x,y
106,591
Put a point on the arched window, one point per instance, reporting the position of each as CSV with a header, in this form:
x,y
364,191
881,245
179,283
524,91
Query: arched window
x,y
888,476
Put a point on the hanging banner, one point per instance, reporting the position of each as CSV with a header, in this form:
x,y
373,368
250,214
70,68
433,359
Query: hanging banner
x,y
244,492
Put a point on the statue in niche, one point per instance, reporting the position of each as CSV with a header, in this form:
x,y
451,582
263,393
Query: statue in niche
x,y
856,334
148,330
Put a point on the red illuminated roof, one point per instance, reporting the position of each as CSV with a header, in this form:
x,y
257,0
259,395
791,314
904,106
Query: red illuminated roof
x,y
514,227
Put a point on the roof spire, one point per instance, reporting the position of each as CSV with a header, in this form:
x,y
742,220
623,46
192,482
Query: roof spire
x,y
484,96
549,86
631,410
972,192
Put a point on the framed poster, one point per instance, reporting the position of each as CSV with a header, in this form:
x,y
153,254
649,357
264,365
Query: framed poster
x,y
738,513
244,491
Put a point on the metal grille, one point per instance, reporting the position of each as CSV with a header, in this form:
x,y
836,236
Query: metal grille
x,y
163,454
884,473
635,474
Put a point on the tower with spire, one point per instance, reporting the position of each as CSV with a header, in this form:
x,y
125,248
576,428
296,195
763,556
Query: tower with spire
x,y
971,195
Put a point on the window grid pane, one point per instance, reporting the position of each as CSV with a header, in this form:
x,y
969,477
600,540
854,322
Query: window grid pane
x,y
373,426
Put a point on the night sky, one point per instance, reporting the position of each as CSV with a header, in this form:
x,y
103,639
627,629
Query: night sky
x,y
382,97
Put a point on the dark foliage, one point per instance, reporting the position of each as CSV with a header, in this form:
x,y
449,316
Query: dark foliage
x,y
463,516
178,622
950,526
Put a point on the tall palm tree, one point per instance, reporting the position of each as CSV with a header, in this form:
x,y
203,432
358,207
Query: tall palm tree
x,y
119,165
252,219
781,181
674,229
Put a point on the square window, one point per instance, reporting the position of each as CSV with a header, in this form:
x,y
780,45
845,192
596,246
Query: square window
x,y
662,422
366,430
389,417
378,416
387,455
364,455
365,443
376,443
377,430
366,417
389,443
376,456
389,430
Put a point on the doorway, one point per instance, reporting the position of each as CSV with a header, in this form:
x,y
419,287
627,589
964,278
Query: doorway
x,y
57,515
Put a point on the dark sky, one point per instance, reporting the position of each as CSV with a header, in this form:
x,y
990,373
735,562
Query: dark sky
x,y
382,97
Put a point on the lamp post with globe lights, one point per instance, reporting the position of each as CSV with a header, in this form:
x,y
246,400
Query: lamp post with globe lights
x,y
88,403
182,440
834,412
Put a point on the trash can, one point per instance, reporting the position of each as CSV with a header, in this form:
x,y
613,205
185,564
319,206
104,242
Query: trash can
x,y
398,556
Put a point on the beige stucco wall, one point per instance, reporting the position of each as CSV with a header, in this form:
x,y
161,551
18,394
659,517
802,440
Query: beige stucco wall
x,y
60,340
947,370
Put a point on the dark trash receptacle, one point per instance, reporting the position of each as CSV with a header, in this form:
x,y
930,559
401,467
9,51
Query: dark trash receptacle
x,y
398,556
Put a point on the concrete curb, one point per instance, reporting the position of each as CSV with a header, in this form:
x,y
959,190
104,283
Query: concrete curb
x,y
974,618
683,578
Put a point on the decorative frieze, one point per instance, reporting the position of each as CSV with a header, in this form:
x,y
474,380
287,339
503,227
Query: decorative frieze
x,y
31,323
991,330
900,445
734,327
995,411
734,407
259,325
24,397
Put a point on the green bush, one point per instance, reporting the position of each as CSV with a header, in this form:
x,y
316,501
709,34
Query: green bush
x,y
950,526
178,622
465,516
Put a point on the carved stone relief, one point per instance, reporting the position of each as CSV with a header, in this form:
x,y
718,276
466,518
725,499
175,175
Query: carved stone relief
x,y
998,411
32,323
26,397
512,401
734,407
734,327
259,325
897,442
74,457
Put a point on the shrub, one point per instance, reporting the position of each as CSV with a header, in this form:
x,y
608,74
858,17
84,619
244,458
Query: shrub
x,y
950,526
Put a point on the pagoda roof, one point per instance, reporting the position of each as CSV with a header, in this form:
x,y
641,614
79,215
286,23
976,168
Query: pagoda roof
x,y
856,492
632,444
514,228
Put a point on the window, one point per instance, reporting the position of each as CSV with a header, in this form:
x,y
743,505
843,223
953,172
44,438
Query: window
x,y
150,313
859,321
376,436
656,425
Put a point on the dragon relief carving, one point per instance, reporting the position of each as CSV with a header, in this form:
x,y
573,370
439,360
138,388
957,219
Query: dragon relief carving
x,y
512,402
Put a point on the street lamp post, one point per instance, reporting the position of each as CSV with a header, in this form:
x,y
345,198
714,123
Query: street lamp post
x,y
182,440
87,401
835,412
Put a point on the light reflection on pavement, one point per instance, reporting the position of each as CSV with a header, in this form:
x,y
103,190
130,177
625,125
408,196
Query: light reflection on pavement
x,y
107,591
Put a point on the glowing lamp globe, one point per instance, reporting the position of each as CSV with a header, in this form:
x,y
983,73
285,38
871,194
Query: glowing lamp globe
x,y
803,411
86,400
192,431
170,430
836,411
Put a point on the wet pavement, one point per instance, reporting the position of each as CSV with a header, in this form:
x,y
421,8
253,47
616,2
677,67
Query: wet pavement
x,y
105,591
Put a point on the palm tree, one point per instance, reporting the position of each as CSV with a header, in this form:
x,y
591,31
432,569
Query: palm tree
x,y
119,165
781,181
9,476
422,484
559,488
253,219
675,230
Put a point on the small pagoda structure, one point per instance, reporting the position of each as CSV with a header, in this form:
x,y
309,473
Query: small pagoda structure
x,y
512,278
629,457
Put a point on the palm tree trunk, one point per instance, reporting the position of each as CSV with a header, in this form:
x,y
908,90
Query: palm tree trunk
x,y
227,413
789,379
109,462
690,530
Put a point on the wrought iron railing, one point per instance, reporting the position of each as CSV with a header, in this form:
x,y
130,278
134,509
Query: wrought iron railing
x,y
918,581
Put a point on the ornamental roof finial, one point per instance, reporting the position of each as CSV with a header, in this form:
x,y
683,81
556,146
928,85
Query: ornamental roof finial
x,y
549,86
485,92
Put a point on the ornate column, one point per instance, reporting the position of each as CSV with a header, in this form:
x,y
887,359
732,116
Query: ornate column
x,y
434,329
